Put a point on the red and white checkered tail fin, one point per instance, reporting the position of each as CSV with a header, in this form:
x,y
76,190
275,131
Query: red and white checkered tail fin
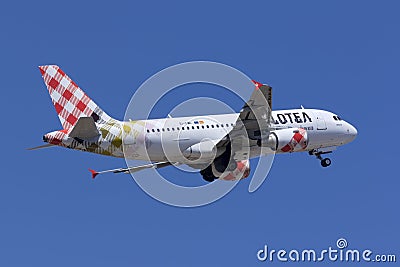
x,y
69,100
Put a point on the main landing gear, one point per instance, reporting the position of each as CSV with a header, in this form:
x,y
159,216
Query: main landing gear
x,y
325,162
208,175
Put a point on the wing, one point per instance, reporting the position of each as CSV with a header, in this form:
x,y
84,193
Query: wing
x,y
156,165
252,123
257,111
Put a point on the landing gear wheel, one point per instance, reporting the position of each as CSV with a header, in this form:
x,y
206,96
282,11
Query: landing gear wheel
x,y
208,175
326,162
208,178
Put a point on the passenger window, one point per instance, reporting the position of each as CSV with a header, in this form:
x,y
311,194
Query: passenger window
x,y
158,130
208,126
153,130
202,126
188,128
148,130
217,126
192,127
212,126
198,127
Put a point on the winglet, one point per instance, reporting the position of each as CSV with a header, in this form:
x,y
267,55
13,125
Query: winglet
x,y
94,173
267,91
257,84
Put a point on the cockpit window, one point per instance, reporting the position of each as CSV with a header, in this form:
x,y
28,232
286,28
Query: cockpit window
x,y
337,118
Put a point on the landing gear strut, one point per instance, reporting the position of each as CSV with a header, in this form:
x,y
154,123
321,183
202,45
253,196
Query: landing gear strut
x,y
325,162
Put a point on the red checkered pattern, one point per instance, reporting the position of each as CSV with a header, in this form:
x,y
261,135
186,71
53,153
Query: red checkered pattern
x,y
69,100
56,137
242,171
298,139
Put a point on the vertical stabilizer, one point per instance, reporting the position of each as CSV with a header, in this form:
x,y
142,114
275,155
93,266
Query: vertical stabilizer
x,y
69,100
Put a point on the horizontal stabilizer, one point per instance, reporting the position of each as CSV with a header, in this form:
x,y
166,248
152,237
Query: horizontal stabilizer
x,y
156,165
39,147
84,128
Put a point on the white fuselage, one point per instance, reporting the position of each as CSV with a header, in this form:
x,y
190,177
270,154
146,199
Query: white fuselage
x,y
182,139
324,129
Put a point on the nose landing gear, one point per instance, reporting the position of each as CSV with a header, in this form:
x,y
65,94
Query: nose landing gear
x,y
325,162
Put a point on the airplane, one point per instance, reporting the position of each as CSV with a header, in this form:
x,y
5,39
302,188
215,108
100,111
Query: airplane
x,y
219,146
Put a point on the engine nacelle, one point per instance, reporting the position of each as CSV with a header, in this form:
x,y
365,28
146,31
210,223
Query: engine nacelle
x,y
205,150
242,171
286,140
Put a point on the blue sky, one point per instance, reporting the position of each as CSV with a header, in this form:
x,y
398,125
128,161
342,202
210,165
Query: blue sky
x,y
341,56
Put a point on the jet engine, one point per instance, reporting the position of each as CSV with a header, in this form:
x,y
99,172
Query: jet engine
x,y
286,140
241,171
204,150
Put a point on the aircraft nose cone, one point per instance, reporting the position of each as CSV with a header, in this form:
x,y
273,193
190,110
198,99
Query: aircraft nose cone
x,y
352,132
